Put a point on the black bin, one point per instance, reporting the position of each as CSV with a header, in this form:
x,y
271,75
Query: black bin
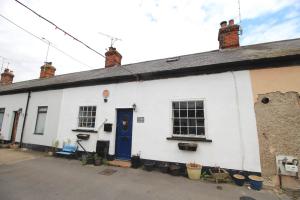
x,y
102,148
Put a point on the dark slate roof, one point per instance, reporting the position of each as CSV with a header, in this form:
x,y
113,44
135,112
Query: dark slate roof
x,y
246,57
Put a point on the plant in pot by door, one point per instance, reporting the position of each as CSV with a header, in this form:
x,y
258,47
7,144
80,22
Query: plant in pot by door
x,y
135,161
194,171
97,160
87,159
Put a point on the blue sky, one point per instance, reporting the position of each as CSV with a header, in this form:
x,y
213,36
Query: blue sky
x,y
284,23
149,29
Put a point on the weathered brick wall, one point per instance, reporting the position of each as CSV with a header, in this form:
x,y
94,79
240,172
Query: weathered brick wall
x,y
278,124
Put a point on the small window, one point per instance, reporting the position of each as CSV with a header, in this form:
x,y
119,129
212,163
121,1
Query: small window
x,y
41,120
87,116
2,111
188,118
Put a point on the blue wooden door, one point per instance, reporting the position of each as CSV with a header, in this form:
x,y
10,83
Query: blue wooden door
x,y
124,134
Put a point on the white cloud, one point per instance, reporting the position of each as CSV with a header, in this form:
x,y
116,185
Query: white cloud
x,y
149,29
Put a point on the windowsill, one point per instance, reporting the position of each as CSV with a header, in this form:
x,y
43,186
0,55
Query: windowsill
x,y
85,130
189,139
38,133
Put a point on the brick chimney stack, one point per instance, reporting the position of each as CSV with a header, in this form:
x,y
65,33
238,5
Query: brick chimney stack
x,y
47,70
229,35
112,57
7,77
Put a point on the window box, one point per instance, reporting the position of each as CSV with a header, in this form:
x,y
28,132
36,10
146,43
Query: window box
x,y
187,146
83,136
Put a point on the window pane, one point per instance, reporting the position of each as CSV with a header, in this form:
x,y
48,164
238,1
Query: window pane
x,y
183,122
176,130
191,104
183,113
183,130
42,109
1,119
183,105
175,105
191,113
176,113
192,130
200,131
199,104
40,123
192,122
200,113
200,122
176,122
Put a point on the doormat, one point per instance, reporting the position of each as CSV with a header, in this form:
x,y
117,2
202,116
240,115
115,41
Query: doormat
x,y
108,172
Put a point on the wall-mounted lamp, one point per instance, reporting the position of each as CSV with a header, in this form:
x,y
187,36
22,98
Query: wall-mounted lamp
x,y
134,107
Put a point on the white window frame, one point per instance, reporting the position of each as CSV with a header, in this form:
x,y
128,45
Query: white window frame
x,y
3,112
78,118
204,116
37,117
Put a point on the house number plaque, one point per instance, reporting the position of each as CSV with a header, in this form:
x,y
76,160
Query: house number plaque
x,y
140,119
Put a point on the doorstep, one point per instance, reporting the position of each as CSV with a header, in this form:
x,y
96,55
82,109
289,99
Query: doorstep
x,y
120,163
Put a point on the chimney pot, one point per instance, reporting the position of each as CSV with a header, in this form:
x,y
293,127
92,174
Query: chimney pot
x,y
7,77
112,57
223,24
47,70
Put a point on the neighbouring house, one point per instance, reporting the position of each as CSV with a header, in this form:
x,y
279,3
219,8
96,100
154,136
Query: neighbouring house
x,y
239,104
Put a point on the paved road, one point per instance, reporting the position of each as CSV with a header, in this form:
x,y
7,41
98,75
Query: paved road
x,y
48,178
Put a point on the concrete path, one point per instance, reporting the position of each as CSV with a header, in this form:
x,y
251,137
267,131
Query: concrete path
x,y
50,178
12,156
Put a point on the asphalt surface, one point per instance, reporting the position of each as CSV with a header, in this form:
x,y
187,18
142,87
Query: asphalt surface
x,y
50,178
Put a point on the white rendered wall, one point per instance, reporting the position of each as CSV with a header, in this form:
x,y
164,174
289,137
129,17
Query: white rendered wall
x,y
52,99
229,112
12,103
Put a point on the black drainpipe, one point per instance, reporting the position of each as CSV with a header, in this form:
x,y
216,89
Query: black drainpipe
x,y
25,117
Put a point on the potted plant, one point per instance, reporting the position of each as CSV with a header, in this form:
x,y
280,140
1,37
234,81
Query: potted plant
x,y
87,159
238,179
256,182
219,174
97,160
163,167
135,161
194,171
149,165
54,148
174,169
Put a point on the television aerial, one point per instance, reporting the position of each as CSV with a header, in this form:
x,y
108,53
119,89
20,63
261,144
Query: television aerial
x,y
112,39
